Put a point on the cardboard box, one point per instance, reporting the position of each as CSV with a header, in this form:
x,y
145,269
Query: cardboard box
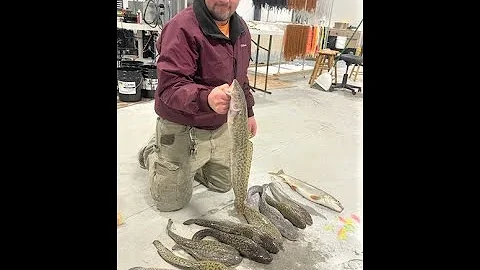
x,y
341,25
344,33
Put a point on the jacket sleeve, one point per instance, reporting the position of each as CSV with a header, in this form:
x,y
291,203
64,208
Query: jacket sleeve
x,y
176,66
246,85
249,98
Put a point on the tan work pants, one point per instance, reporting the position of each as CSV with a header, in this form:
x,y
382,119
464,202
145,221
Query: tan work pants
x,y
178,154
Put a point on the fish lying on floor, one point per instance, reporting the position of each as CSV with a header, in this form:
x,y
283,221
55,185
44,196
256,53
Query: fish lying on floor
x,y
285,227
257,219
288,212
201,255
183,263
281,196
205,250
246,246
247,230
310,192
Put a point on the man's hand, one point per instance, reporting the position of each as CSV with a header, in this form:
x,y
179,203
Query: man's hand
x,y
252,126
218,100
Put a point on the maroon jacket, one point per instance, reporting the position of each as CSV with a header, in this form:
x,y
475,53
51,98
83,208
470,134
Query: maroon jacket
x,y
195,57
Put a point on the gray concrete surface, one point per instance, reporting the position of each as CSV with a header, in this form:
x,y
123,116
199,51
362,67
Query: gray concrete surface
x,y
313,135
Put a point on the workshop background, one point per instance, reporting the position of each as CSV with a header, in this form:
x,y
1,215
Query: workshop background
x,y
306,72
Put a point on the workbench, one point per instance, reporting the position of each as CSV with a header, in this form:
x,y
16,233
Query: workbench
x,y
137,27
270,34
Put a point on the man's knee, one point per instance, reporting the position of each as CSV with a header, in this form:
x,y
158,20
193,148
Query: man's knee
x,y
220,188
170,184
218,182
170,206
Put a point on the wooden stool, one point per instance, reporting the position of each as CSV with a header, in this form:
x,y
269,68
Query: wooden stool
x,y
325,59
356,72
358,52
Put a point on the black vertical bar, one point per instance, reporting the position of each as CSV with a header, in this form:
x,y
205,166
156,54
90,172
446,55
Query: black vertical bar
x,y
256,62
268,59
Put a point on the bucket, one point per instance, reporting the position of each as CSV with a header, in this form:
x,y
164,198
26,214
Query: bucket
x,y
130,63
340,42
150,81
129,80
119,61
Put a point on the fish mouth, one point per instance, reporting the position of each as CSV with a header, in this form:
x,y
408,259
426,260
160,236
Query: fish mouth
x,y
263,259
270,245
335,207
260,255
291,236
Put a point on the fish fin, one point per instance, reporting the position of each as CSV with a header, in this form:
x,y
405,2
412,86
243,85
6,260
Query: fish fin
x,y
278,180
277,173
169,225
250,147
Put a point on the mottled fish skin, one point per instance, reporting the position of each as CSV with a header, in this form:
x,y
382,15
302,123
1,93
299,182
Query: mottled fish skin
x,y
288,212
253,200
247,230
241,147
310,192
201,255
285,227
253,196
207,250
180,262
246,246
281,196
255,218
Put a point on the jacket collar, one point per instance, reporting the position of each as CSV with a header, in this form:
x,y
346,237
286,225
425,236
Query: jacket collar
x,y
208,25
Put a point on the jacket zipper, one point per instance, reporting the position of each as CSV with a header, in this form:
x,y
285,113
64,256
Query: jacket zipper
x,y
235,59
234,66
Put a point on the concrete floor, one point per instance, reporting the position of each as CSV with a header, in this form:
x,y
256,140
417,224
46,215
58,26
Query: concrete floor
x,y
313,135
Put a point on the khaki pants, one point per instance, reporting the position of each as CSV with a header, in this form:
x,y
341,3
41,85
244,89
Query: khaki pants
x,y
172,166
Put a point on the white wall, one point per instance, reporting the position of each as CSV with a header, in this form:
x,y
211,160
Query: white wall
x,y
245,9
350,11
